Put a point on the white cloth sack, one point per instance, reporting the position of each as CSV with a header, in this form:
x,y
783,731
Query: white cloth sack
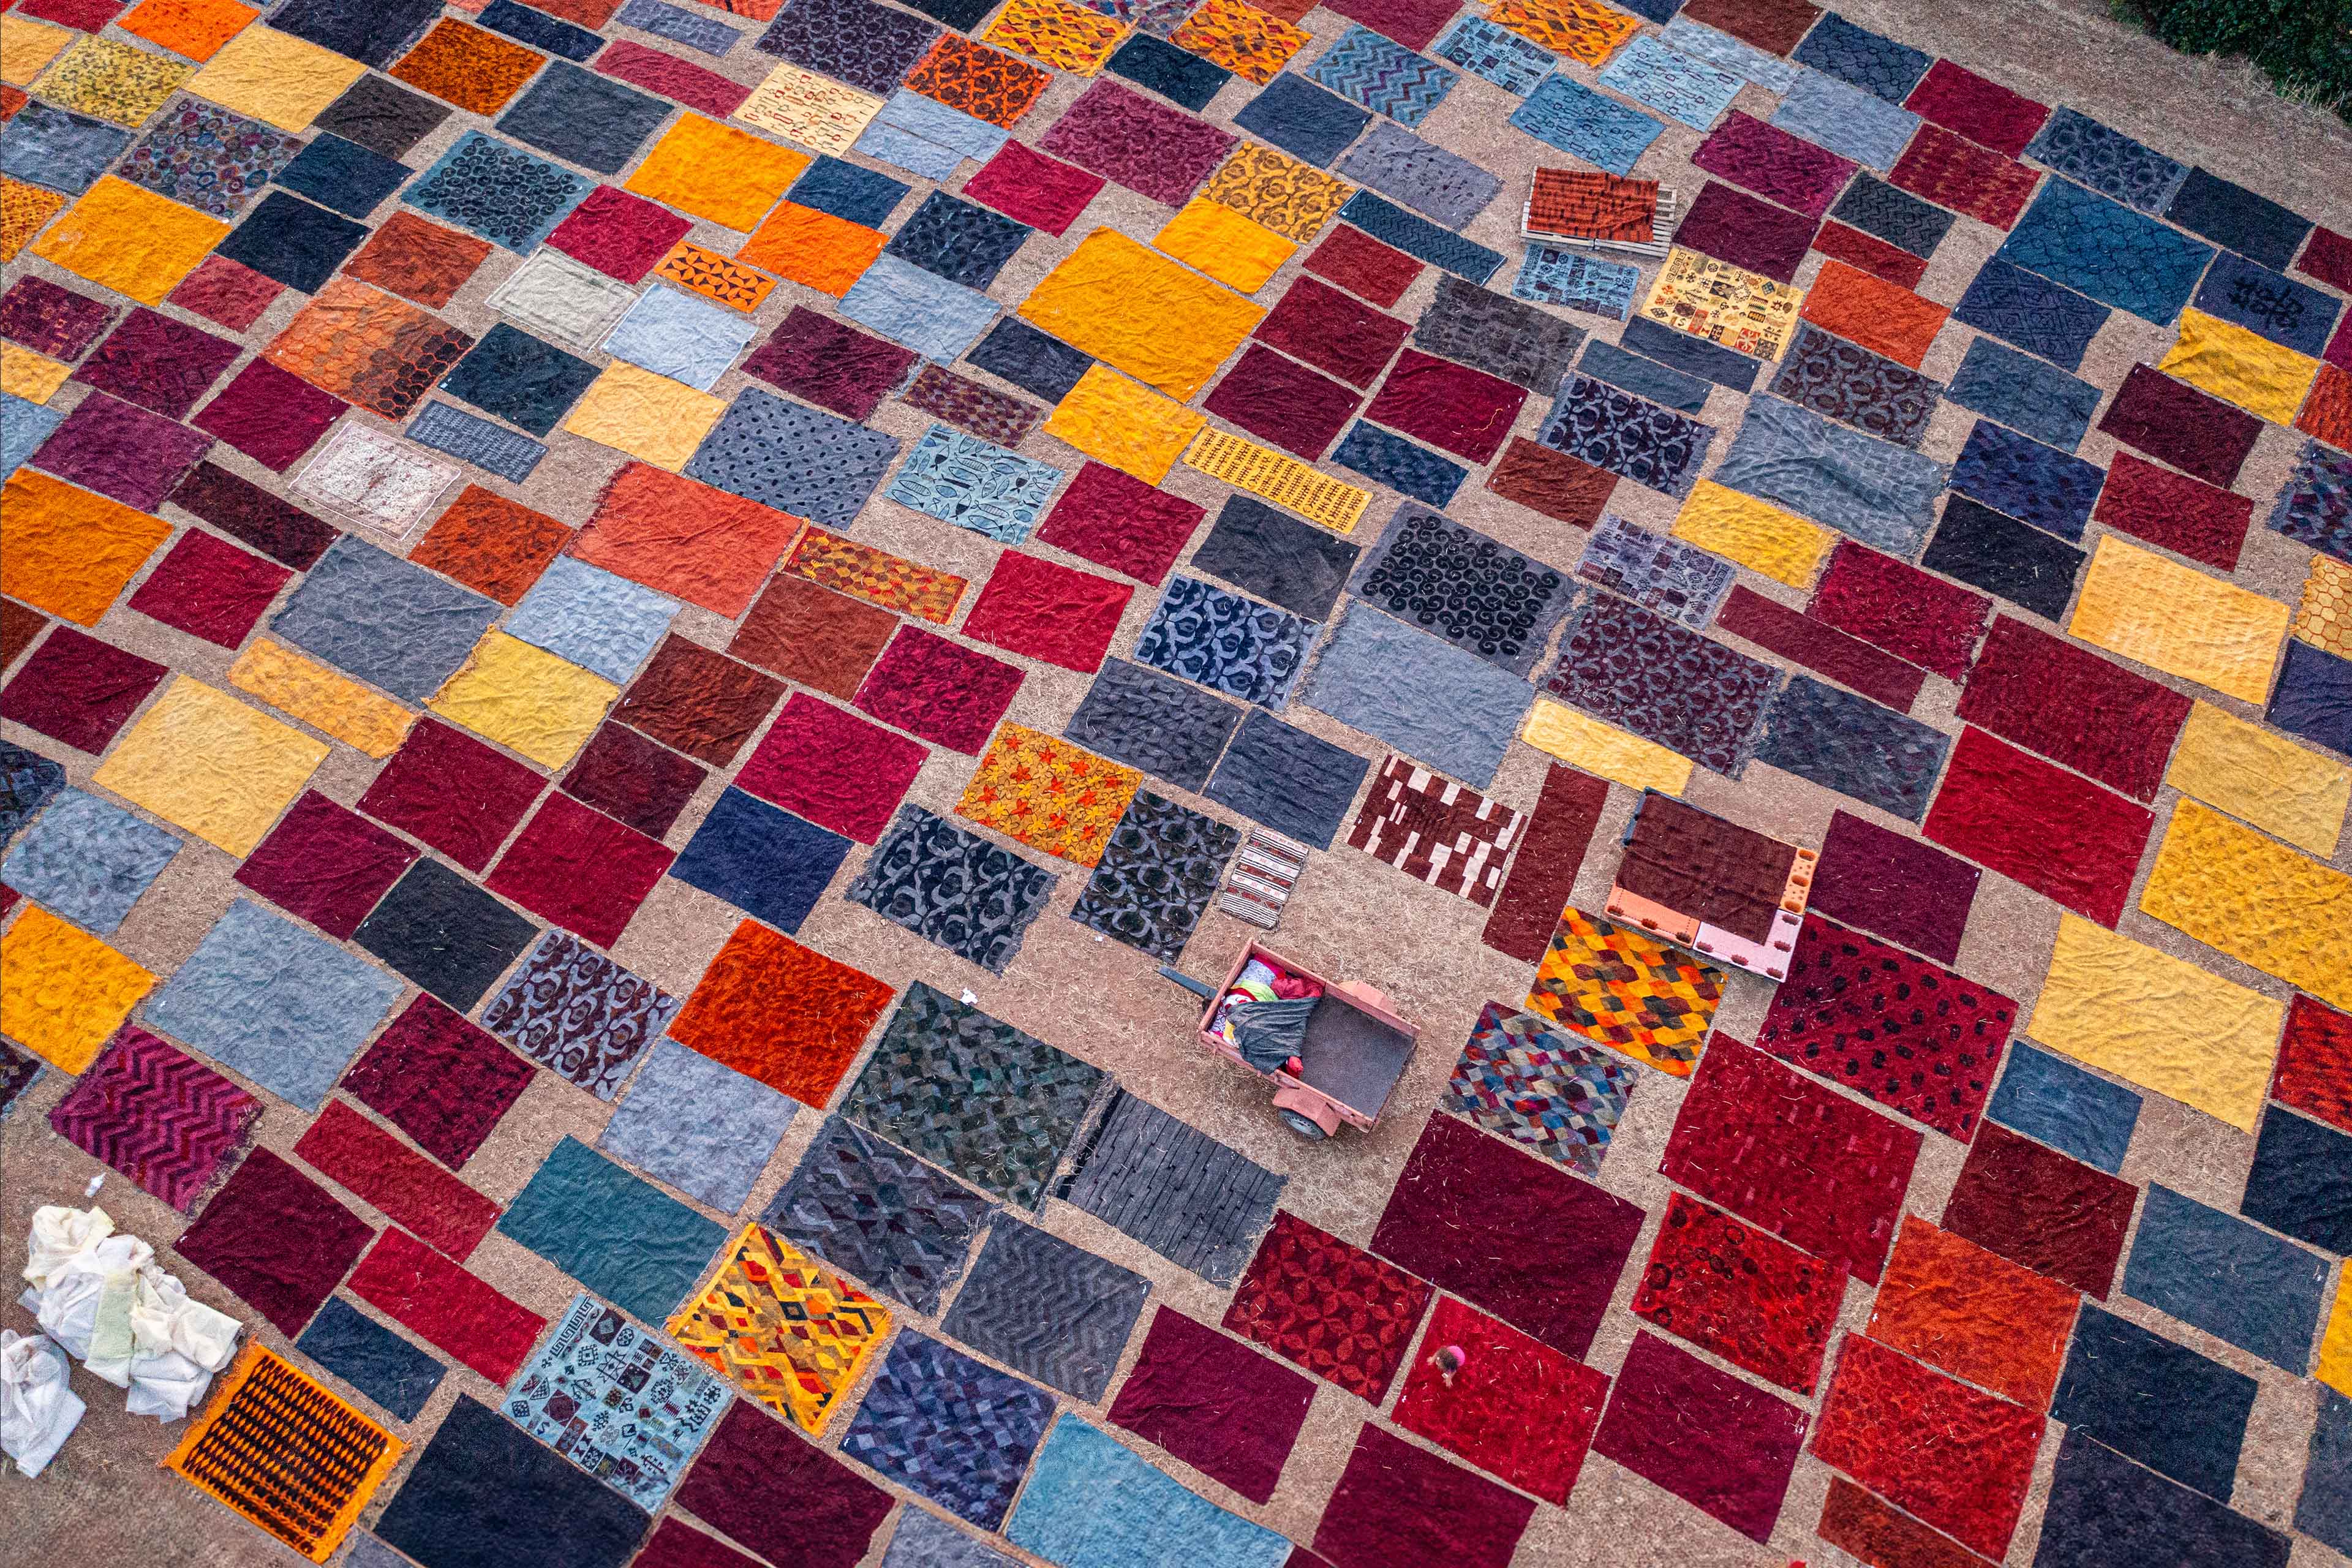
x,y
37,1411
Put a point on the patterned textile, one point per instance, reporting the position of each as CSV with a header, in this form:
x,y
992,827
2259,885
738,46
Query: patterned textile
x,y
1253,44
113,79
1336,1310
1225,642
1581,205
1673,83
987,1101
1271,188
952,887
1157,17
1393,461
1723,304
2108,160
19,1070
1065,36
1727,53
1173,1188
1436,831
1519,1077
876,576
509,196
796,459
1897,1029
875,1210
2291,314
1846,119
789,1333
1772,162
1418,238
1502,56
2108,251
981,82
993,416
2021,391
52,320
963,479
1629,437
1645,377
1852,745
1896,216
1458,584
1845,382
616,1401
1385,78
1156,876
1965,177
1160,724
1754,1300
281,1449
869,47
949,1429
1441,186
1865,59
572,1009
1586,124
1046,1308
2323,617
1661,681
2025,308
1578,281
1584,30
211,160
368,348
2315,507
1048,794
714,277
1498,335
1612,984
1153,150
959,242
1880,494
1656,572
159,1116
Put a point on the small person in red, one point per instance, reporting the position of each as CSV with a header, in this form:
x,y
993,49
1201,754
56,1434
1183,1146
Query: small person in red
x,y
1448,1359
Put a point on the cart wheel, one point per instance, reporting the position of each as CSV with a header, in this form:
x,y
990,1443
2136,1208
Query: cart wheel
x,y
1307,1127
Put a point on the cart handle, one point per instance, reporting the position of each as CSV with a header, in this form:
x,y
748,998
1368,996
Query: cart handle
x,y
1200,988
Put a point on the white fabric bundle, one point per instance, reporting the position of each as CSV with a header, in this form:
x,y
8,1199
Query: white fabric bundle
x,y
100,1297
37,1411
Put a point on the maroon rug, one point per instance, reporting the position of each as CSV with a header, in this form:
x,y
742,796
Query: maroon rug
x,y
2059,699
1892,884
1213,1403
1904,1032
1398,1506
1723,1446
1797,1157
1511,1232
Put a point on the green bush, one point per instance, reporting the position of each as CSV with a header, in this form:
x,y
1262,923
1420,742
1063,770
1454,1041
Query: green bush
x,y
2304,45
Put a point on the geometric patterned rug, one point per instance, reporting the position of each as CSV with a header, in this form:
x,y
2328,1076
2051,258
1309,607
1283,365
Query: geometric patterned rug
x,y
870,1207
943,1425
1519,1077
991,1103
786,1331
1614,984
159,1116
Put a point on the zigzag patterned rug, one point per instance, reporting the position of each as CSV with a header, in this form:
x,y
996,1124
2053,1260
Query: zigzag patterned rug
x,y
159,1116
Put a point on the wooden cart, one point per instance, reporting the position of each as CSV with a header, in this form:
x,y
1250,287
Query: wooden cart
x,y
1357,1048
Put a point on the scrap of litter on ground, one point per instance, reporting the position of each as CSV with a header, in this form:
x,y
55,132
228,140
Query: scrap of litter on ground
x,y
640,640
